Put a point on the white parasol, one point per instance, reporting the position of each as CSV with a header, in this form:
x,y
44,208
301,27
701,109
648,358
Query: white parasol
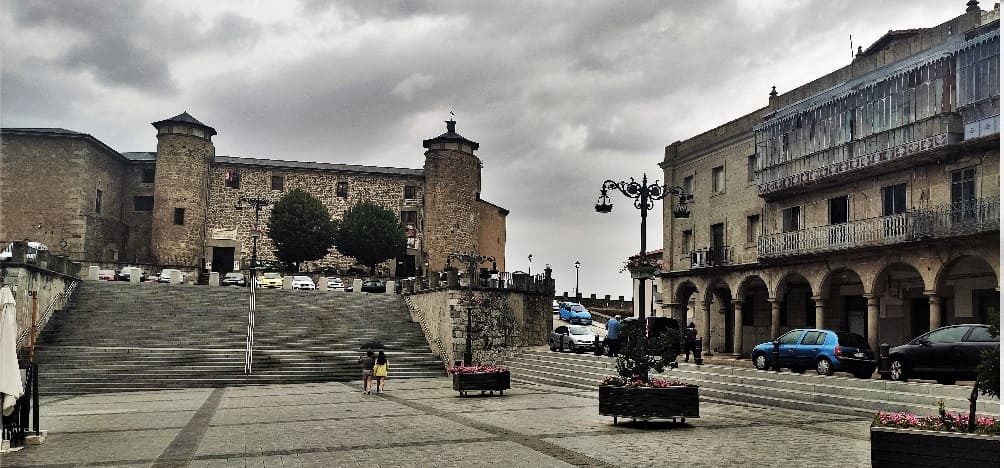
x,y
10,375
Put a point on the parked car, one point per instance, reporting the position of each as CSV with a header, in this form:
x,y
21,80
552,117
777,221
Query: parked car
x,y
336,284
303,283
573,312
33,248
576,338
165,275
946,355
373,286
106,275
125,273
271,280
826,350
555,306
234,278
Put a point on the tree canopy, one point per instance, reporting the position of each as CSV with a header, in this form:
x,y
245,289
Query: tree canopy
x,y
301,228
371,234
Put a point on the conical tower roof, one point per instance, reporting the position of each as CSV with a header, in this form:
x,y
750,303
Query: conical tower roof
x,y
450,135
186,118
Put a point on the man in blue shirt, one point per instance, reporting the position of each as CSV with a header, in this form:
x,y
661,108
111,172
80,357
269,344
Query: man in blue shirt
x,y
613,335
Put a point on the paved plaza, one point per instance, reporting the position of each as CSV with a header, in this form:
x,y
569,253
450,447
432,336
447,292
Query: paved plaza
x,y
417,423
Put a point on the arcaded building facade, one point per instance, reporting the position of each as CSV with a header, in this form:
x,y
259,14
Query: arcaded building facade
x,y
181,205
866,200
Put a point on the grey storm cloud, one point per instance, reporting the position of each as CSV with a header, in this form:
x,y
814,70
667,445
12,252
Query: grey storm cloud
x,y
561,95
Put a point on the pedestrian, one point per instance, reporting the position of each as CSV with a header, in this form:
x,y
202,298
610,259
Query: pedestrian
x,y
613,335
689,341
380,371
367,362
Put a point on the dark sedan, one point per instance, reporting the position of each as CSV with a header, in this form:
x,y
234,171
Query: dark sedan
x,y
946,355
373,286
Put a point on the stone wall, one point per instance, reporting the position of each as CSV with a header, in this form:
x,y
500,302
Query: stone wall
x,y
502,321
139,224
492,232
182,175
452,186
52,288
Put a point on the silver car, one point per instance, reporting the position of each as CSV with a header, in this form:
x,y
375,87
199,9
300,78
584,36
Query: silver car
x,y
576,338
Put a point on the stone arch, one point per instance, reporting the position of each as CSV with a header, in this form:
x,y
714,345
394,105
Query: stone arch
x,y
753,296
786,278
967,290
898,294
683,291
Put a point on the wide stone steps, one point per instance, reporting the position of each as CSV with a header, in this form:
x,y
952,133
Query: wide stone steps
x,y
122,336
834,394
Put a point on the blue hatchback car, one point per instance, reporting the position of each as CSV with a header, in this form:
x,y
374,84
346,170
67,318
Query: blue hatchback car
x,y
826,350
574,313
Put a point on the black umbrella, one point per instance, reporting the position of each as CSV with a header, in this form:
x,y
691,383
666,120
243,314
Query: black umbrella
x,y
372,345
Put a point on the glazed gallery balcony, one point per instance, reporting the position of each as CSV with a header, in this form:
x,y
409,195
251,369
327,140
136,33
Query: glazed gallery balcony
x,y
956,219
711,257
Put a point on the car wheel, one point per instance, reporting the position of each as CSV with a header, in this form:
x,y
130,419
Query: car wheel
x,y
946,381
898,371
579,350
553,347
761,362
824,367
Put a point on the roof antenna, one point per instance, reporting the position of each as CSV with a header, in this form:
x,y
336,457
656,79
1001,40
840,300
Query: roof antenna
x,y
851,38
451,116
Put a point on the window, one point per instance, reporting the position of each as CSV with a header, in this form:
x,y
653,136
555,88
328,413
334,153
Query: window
x,y
97,201
751,168
790,337
149,174
838,210
814,338
790,219
179,216
342,190
142,203
963,191
410,192
947,335
685,241
718,179
981,334
752,228
277,182
232,179
688,185
893,199
409,217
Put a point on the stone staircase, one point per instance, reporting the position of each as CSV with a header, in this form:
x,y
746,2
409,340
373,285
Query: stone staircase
x,y
733,384
119,336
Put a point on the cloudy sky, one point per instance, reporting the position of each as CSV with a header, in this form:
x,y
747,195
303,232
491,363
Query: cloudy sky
x,y
561,95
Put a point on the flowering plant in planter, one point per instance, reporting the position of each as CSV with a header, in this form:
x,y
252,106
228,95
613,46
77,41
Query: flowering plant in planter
x,y
477,369
653,382
946,421
646,261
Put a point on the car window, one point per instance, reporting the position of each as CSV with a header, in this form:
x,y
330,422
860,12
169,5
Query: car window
x,y
981,334
813,338
790,337
947,335
578,308
271,275
579,331
853,340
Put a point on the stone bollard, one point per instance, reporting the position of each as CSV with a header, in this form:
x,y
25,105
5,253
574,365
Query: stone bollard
x,y
357,285
214,278
883,362
452,279
390,287
698,346
322,283
176,277
287,282
92,273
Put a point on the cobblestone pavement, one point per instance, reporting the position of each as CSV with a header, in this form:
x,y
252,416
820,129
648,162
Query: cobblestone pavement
x,y
421,422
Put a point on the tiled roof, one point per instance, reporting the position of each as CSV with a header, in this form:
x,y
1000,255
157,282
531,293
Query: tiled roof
x,y
223,160
140,155
42,131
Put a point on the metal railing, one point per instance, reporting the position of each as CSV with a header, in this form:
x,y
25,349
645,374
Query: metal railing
x,y
956,219
711,257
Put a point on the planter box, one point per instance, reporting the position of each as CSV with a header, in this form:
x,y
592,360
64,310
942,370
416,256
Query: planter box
x,y
488,382
650,403
893,446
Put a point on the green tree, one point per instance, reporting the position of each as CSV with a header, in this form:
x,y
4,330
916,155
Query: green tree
x,y
301,228
988,378
371,234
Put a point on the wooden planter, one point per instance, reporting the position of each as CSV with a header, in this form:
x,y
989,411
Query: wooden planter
x,y
650,403
892,446
487,382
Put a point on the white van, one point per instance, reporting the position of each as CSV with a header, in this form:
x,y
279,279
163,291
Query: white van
x,y
33,249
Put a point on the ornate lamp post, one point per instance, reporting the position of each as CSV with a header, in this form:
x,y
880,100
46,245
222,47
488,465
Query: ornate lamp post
x,y
577,265
529,263
644,196
472,260
256,203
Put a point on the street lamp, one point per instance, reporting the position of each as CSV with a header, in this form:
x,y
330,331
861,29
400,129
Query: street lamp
x,y
577,265
644,196
472,260
257,204
529,264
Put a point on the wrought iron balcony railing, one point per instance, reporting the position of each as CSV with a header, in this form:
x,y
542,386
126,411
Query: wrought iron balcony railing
x,y
711,257
969,217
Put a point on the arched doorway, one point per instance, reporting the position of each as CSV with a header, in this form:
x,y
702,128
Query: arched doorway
x,y
969,291
754,300
721,317
904,310
795,303
846,308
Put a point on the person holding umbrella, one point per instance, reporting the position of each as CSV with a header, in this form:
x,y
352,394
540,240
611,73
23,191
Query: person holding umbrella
x,y
367,362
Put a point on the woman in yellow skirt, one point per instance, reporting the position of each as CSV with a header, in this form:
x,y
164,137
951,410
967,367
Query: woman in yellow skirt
x,y
380,371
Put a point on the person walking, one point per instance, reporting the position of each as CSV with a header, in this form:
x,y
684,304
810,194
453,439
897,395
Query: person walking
x,y
367,362
613,335
689,341
380,371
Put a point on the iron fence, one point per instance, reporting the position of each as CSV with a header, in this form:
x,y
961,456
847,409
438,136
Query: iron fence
x,y
711,257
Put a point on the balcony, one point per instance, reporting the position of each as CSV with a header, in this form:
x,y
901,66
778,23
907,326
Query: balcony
x,y
711,257
957,219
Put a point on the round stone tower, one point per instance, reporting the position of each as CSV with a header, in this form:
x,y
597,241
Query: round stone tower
x,y
184,152
452,188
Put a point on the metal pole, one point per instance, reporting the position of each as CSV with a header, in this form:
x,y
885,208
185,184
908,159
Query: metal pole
x,y
576,281
468,352
31,364
34,324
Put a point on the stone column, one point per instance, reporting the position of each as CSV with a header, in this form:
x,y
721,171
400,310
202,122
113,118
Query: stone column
x,y
935,315
706,328
820,309
737,327
775,317
873,322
